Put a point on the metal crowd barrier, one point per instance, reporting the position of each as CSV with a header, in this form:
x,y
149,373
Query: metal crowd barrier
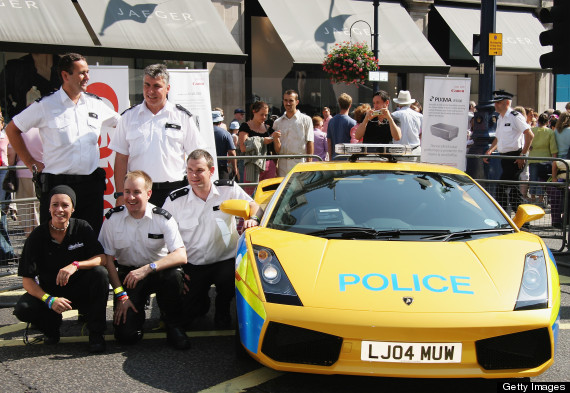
x,y
14,227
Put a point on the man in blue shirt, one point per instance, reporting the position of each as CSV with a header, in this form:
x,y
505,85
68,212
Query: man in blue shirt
x,y
338,130
224,147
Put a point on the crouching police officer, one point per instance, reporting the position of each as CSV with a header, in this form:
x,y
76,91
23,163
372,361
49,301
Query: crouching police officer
x,y
210,236
149,250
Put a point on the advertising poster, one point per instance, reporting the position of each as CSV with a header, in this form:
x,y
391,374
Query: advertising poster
x,y
444,131
191,89
111,83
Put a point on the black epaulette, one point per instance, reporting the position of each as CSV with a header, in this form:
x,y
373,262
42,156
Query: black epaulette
x,y
162,212
224,182
114,210
516,112
93,95
181,108
178,193
47,95
128,109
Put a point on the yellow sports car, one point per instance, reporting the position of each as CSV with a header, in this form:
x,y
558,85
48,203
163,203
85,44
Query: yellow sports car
x,y
393,268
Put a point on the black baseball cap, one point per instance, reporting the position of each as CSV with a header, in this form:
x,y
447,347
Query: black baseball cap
x,y
239,110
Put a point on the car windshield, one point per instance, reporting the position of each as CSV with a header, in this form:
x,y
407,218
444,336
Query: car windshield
x,y
373,204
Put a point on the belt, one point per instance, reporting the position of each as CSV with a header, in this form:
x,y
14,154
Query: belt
x,y
69,179
169,185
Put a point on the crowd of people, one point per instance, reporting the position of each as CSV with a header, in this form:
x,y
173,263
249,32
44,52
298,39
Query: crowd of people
x,y
166,234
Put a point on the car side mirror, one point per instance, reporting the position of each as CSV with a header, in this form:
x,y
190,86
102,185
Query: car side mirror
x,y
236,207
527,213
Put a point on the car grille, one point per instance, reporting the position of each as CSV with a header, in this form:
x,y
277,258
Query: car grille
x,y
518,350
290,344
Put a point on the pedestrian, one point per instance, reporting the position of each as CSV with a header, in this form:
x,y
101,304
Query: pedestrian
x,y
6,248
321,144
326,118
295,134
63,254
340,125
513,137
154,137
149,250
210,236
410,121
222,125
543,145
378,125
69,122
359,114
225,147
257,138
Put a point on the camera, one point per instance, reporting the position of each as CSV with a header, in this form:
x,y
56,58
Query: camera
x,y
378,112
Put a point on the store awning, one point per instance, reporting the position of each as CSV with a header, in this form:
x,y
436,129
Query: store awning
x,y
29,25
158,29
309,29
181,29
521,48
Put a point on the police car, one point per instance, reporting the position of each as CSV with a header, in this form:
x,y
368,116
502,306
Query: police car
x,y
395,268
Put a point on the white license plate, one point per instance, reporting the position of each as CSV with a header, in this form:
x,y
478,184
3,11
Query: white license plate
x,y
397,352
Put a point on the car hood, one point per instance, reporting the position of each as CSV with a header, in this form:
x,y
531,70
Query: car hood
x,y
405,276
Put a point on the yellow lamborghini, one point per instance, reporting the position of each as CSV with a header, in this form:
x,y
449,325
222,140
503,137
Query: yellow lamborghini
x,y
393,268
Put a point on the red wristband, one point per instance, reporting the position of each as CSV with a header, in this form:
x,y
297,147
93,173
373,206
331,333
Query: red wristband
x,y
76,264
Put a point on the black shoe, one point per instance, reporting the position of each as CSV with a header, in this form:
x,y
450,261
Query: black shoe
x,y
177,338
96,343
51,340
223,321
130,340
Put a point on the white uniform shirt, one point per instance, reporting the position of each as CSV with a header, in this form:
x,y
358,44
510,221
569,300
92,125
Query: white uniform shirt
x,y
295,133
510,129
156,143
69,132
138,242
410,124
209,234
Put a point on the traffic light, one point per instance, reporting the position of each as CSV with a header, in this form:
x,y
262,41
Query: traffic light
x,y
559,58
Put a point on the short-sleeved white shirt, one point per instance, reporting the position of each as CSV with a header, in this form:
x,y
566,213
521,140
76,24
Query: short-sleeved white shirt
x,y
295,133
157,143
69,131
209,234
411,123
509,133
138,242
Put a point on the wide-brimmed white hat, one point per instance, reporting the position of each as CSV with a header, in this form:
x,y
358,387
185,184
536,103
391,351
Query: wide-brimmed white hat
x,y
404,98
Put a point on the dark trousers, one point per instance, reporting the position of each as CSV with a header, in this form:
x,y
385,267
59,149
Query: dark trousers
x,y
221,274
160,191
167,284
89,189
88,289
511,171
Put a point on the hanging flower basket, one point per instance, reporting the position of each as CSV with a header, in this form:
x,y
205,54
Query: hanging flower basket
x,y
350,63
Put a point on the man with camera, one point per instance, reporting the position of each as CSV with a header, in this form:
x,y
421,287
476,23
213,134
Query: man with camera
x,y
378,125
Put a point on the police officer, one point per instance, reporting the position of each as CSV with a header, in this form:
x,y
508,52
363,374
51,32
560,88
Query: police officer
x,y
69,122
153,137
210,236
149,250
513,137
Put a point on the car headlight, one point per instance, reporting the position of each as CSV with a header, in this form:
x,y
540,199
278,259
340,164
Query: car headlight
x,y
276,284
533,293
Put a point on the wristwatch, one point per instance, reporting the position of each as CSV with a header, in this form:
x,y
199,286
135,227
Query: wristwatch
x,y
117,194
152,267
